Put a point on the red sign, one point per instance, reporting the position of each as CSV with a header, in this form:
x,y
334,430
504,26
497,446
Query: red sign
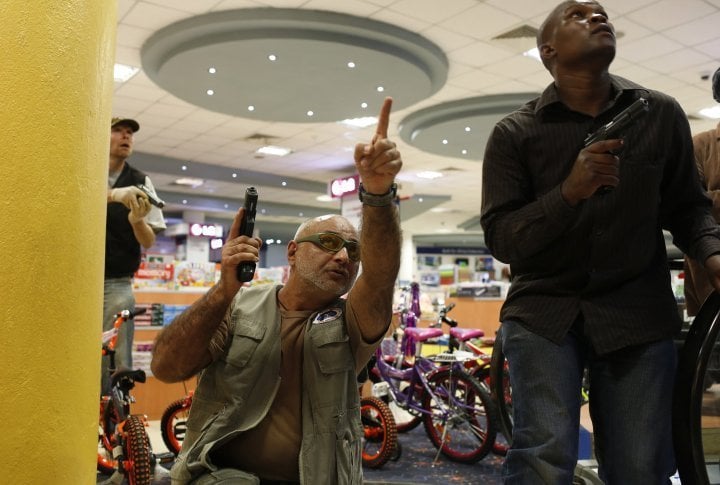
x,y
344,186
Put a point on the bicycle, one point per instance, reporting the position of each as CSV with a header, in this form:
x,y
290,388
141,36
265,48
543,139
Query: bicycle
x,y
457,412
123,444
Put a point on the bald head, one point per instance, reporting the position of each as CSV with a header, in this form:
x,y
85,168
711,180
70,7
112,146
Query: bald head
x,y
331,222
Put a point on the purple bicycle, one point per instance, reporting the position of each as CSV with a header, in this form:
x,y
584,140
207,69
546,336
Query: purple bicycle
x,y
457,412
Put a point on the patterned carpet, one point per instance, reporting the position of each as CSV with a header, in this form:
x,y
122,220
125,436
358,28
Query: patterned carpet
x,y
415,466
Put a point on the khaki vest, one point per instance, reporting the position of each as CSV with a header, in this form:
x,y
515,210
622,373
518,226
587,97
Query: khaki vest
x,y
236,391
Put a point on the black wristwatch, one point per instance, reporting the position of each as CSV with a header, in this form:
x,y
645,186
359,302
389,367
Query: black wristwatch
x,y
376,200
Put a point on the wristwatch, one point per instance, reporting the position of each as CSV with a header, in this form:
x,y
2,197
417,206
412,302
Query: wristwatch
x,y
376,200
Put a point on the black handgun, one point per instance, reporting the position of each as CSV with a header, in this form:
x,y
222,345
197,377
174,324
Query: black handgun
x,y
156,201
246,270
616,127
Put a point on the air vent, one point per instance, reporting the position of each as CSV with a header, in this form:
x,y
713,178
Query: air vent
x,y
521,32
260,137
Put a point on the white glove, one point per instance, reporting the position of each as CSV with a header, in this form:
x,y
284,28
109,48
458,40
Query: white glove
x,y
139,208
127,195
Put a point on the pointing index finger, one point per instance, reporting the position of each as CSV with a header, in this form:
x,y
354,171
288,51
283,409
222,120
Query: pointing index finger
x,y
384,119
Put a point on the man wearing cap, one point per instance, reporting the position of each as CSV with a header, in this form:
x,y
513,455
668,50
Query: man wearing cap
x,y
706,146
131,222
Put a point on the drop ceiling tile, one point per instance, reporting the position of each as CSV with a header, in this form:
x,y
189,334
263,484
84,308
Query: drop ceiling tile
x,y
711,48
139,92
401,19
130,36
352,7
649,47
625,6
432,11
189,6
666,14
524,8
149,16
484,22
628,31
480,54
698,31
127,55
169,110
677,61
235,4
447,40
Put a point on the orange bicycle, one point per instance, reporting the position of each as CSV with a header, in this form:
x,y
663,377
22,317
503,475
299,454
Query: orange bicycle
x,y
123,444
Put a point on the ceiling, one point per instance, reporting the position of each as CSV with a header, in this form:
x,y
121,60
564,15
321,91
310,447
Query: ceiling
x,y
453,69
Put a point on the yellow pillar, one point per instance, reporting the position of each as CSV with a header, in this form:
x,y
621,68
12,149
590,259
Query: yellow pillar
x,y
56,59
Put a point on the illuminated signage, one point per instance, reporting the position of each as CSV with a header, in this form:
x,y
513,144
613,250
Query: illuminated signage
x,y
206,230
344,186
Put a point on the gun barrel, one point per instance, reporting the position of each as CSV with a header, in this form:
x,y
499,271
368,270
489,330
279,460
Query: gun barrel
x,y
617,125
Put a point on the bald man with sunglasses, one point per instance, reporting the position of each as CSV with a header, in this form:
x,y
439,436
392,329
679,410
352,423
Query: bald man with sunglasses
x,y
277,400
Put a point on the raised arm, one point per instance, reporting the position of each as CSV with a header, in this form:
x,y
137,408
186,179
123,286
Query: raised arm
x,y
380,239
181,350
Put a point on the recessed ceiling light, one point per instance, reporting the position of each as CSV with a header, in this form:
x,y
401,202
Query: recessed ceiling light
x,y
184,167
439,209
534,53
184,201
351,64
310,113
324,198
269,241
251,108
278,241
380,89
713,112
272,57
210,92
443,231
429,174
420,199
234,175
467,128
360,122
263,211
226,206
123,72
464,152
445,142
273,150
363,105
284,184
212,70
301,214
189,181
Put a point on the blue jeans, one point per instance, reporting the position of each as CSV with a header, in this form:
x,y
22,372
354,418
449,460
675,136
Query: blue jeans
x,y
630,406
118,296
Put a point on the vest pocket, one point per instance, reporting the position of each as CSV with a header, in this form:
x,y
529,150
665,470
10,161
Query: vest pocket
x,y
246,337
332,348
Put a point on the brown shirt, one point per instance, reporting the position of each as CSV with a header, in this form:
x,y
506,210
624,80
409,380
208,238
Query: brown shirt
x,y
264,449
707,158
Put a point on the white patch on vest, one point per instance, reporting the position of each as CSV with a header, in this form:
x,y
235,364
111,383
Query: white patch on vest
x,y
328,315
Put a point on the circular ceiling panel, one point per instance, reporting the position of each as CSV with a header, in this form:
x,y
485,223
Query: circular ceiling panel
x,y
459,128
293,65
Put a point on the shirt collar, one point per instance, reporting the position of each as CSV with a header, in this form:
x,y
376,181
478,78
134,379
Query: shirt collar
x,y
618,84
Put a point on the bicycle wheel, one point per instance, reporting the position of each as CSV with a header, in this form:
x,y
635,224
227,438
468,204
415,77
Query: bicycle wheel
x,y
500,388
380,433
461,416
173,424
405,419
138,453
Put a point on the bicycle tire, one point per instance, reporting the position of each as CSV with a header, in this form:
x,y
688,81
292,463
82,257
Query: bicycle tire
x,y
500,389
405,419
468,433
380,432
173,424
138,452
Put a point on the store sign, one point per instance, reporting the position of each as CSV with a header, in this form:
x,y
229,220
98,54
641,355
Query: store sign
x,y
344,186
205,230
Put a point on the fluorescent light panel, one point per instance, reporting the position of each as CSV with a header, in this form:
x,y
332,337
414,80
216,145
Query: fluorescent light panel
x,y
713,112
274,150
123,72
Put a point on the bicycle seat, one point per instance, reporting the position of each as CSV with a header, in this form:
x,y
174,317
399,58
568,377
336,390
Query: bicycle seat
x,y
465,334
423,334
136,375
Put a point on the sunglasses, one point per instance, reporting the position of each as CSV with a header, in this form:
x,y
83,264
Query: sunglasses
x,y
332,243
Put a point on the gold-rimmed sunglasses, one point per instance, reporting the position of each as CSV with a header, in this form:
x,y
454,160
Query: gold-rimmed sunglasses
x,y
332,243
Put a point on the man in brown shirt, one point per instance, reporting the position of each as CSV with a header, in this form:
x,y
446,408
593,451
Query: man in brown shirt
x,y
707,158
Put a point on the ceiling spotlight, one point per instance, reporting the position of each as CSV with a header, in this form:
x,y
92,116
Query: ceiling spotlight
x,y
467,129
310,113
273,150
234,175
210,92
380,89
420,199
184,167
262,211
212,70
464,152
445,142
363,105
184,201
284,184
251,108
278,241
269,241
301,214
272,57
226,206
351,64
